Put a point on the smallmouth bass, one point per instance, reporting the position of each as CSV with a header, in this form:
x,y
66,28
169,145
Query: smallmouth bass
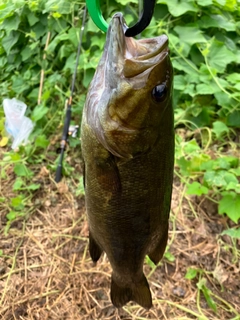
x,y
127,139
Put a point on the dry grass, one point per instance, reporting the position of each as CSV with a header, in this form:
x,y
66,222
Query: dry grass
x,y
46,272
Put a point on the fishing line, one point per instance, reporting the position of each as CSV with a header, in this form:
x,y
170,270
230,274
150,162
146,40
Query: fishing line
x,y
69,104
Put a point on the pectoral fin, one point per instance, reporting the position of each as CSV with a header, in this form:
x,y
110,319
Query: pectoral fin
x,y
107,174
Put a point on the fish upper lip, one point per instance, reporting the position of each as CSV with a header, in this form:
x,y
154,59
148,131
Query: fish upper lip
x,y
128,47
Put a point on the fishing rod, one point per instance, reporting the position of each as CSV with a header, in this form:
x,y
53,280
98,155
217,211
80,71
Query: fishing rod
x,y
65,134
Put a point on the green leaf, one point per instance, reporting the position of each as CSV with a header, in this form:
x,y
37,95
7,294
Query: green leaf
x,y
233,77
219,56
10,40
32,19
88,75
6,10
196,188
39,112
170,257
10,24
233,119
41,141
17,203
26,53
219,128
17,184
234,233
180,82
207,88
149,262
204,3
217,21
207,294
12,215
230,204
191,273
33,186
80,189
190,35
179,7
22,171
61,6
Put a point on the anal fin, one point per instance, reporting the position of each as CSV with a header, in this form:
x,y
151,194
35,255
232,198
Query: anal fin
x,y
157,252
94,249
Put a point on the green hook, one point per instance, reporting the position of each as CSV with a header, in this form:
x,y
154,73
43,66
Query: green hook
x,y
96,15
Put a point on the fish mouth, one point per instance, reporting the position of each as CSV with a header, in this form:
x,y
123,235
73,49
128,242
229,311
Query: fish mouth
x,y
129,57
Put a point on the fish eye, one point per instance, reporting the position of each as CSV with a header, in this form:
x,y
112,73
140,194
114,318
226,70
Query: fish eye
x,y
159,92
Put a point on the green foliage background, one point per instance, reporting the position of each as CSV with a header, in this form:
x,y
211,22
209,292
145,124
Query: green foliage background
x,y
204,38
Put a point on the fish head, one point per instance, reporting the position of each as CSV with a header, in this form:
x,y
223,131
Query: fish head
x,y
130,91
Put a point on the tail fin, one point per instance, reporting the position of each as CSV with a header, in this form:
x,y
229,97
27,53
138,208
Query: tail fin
x,y
138,292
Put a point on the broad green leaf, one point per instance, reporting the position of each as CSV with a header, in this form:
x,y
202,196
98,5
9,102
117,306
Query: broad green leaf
x,y
196,188
41,141
12,215
125,2
219,56
26,53
190,35
32,19
39,112
233,77
204,2
219,128
191,146
233,119
17,203
10,24
191,273
6,10
207,88
180,82
233,186
88,75
230,204
169,256
221,2
17,184
22,171
234,233
61,6
33,186
10,40
179,7
219,178
217,21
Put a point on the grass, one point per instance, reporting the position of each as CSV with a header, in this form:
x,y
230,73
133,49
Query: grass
x,y
46,271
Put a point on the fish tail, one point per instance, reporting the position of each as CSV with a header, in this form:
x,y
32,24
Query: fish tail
x,y
138,292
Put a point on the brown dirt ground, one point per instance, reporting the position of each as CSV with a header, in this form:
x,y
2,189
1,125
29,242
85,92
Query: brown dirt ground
x,y
46,271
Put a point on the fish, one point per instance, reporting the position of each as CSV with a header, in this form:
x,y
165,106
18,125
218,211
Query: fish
x,y
127,141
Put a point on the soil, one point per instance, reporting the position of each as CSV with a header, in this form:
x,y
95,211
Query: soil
x,y
46,271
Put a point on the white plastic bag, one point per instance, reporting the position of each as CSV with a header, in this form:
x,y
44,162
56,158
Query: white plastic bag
x,y
17,125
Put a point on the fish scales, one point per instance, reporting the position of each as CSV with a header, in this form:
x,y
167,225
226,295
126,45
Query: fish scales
x,y
127,141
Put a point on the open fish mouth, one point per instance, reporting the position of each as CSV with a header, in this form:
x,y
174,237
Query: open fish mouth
x,y
130,57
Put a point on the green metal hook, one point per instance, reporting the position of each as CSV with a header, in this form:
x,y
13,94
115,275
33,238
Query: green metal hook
x,y
96,15
146,16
